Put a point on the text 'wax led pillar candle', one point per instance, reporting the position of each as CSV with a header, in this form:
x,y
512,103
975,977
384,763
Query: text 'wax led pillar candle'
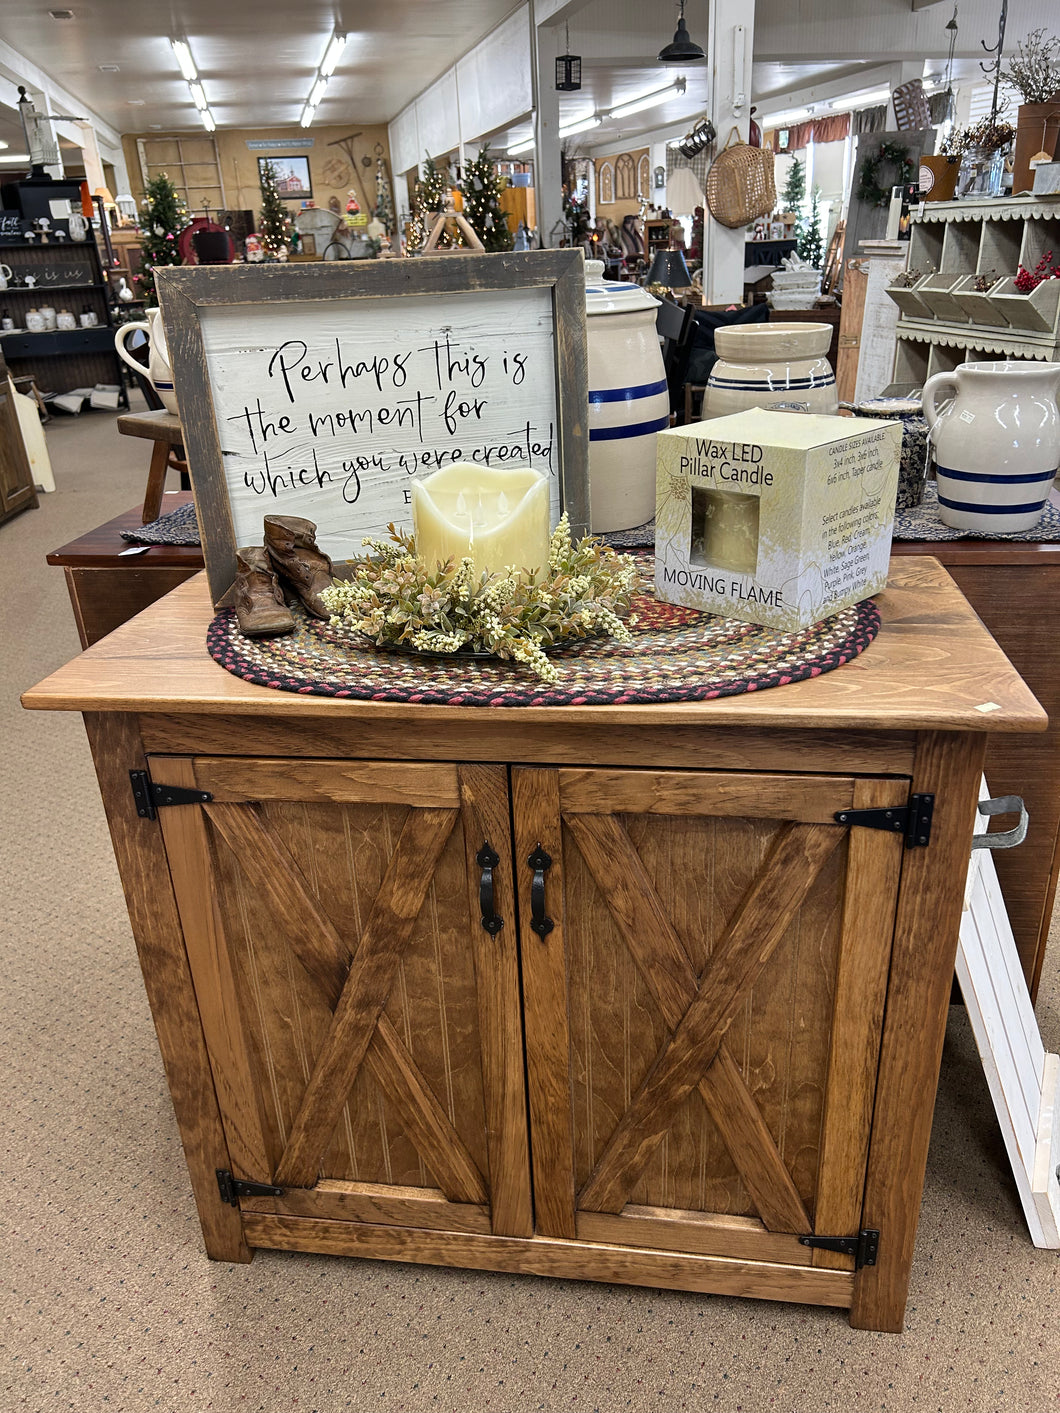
x,y
496,516
775,517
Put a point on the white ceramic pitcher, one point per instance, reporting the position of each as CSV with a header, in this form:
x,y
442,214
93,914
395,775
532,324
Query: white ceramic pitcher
x,y
158,371
5,274
997,443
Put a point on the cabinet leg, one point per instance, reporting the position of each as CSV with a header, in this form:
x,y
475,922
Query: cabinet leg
x,y
925,949
138,847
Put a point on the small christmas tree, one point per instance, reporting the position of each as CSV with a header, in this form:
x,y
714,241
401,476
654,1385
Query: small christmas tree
x,y
793,196
274,224
811,245
430,196
481,190
163,216
384,200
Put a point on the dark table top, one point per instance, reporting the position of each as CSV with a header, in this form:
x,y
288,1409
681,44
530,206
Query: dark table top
x,y
100,548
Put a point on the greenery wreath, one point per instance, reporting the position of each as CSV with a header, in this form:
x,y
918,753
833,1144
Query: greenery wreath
x,y
869,188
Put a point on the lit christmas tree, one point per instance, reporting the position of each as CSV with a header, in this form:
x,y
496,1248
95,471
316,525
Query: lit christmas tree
x,y
481,190
811,245
430,197
162,218
274,224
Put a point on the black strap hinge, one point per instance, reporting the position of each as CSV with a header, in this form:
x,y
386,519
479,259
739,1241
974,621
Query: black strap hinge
x,y
912,820
232,1189
149,797
863,1247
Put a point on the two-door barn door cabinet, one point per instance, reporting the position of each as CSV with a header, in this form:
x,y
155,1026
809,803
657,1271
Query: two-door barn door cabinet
x,y
595,992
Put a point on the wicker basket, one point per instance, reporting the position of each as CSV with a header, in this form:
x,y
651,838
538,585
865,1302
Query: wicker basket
x,y
740,183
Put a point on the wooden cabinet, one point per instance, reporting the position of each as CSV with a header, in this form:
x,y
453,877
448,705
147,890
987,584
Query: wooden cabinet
x,y
17,491
611,993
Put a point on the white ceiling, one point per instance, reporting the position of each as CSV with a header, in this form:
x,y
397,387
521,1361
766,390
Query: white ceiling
x,y
257,61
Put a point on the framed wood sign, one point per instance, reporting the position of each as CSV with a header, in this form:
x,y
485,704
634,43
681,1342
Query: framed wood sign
x,y
322,390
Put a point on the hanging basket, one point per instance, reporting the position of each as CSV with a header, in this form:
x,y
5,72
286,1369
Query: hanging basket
x,y
740,183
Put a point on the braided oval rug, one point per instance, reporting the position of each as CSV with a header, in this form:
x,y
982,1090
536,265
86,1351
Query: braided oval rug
x,y
677,655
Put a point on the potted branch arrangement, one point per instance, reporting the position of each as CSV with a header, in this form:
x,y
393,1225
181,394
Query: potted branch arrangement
x,y
905,291
1031,299
981,150
1034,72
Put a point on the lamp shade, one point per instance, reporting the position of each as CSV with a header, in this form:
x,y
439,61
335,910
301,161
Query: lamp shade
x,y
681,50
668,268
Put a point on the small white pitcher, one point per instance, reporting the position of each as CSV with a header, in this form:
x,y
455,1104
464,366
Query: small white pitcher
x,y
5,274
158,371
997,444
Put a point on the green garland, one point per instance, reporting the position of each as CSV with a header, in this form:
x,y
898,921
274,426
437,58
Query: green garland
x,y
869,188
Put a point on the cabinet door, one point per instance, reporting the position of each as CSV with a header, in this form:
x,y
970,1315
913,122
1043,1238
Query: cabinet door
x,y
703,1017
362,1024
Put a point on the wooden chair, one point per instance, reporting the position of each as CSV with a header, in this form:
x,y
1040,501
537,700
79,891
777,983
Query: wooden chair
x,y
167,434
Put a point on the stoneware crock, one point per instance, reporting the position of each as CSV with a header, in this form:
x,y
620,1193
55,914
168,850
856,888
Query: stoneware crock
x,y
628,400
760,365
997,443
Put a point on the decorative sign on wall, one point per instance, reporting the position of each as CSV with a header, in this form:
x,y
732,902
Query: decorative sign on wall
x,y
324,390
10,226
70,272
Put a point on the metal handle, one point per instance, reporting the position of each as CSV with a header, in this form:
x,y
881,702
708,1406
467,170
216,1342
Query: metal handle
x,y
487,860
1004,838
540,862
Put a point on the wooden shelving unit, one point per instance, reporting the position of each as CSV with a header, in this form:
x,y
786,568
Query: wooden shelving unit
x,y
944,320
59,360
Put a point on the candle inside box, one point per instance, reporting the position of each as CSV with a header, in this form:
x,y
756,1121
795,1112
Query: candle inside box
x,y
775,517
496,516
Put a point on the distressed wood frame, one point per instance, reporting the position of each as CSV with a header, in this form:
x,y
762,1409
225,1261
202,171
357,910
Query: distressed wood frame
x,y
185,290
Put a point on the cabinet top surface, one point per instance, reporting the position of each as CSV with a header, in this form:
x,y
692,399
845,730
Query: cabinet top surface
x,y
933,666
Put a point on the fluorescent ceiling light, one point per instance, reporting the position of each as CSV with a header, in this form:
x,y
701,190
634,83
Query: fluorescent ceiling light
x,y
318,92
514,148
207,120
647,100
308,113
15,157
582,125
333,55
184,59
785,120
198,96
4,145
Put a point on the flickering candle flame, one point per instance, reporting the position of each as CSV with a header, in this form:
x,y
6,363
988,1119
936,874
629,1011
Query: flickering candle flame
x,y
498,517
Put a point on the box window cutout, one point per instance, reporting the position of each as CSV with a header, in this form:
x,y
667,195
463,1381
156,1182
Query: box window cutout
x,y
725,530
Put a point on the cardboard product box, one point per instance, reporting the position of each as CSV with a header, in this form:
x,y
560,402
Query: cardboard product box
x,y
775,517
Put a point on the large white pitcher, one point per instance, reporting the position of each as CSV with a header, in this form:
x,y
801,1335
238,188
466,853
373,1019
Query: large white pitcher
x,y
997,444
158,371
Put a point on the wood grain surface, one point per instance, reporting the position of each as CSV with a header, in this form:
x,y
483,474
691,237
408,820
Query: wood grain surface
x,y
933,665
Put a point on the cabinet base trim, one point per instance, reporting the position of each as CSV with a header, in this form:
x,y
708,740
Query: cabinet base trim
x,y
548,1256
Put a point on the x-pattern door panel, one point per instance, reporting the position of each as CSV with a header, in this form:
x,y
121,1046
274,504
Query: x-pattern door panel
x,y
362,1026
716,974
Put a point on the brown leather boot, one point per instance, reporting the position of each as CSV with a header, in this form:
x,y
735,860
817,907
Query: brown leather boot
x,y
259,603
292,548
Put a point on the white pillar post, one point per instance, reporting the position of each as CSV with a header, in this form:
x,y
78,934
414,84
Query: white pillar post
x,y
548,167
729,45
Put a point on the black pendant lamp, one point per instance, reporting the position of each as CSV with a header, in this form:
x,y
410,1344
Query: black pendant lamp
x,y
682,50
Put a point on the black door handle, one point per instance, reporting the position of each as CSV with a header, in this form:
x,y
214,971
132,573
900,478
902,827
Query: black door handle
x,y
540,862
487,860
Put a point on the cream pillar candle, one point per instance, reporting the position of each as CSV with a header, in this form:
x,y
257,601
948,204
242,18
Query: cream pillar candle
x,y
496,515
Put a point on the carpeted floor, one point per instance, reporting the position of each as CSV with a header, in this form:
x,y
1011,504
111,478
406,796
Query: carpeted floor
x,y
110,1304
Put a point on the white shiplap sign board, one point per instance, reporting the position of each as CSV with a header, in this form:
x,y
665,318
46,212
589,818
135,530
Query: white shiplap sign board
x,y
330,410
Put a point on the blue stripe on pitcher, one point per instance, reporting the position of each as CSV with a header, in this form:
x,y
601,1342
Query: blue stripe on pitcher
x,y
770,384
627,394
984,478
975,508
631,429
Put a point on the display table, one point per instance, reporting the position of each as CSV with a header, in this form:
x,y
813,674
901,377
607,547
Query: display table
x,y
108,585
1012,584
594,992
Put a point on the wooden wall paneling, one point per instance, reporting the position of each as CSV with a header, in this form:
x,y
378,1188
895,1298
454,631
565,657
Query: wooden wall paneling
x,y
139,848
